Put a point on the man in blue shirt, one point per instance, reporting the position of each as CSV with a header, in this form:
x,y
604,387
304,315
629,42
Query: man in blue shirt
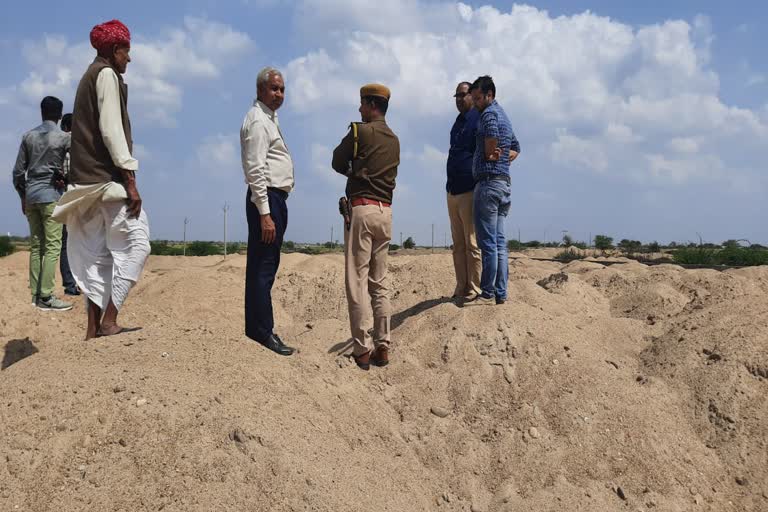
x,y
495,149
460,184
37,170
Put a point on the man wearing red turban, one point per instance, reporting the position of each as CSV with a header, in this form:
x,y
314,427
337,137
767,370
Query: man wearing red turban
x,y
108,229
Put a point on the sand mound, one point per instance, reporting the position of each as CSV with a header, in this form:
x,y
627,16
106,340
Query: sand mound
x,y
593,388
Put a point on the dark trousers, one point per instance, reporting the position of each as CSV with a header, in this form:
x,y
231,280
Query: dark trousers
x,y
67,280
262,264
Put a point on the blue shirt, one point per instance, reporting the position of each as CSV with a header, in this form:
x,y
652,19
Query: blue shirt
x,y
461,153
41,156
494,124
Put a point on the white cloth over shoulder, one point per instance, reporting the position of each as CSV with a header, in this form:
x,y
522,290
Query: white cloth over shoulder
x,y
107,251
78,199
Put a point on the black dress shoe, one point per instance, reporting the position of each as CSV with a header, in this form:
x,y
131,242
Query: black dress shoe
x,y
275,344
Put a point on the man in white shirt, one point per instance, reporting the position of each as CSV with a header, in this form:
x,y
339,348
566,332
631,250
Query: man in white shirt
x,y
108,229
268,169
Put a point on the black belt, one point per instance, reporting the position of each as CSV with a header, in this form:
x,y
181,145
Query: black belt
x,y
491,177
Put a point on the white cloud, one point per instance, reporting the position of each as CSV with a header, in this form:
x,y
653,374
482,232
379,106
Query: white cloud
x,y
684,145
599,94
219,154
161,65
320,165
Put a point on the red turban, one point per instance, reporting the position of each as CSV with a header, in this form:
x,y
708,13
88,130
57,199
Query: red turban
x,y
110,33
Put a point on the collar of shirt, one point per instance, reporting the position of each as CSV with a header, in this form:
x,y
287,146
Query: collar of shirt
x,y
267,111
50,124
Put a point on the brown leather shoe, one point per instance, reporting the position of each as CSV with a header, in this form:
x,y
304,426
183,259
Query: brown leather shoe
x,y
363,361
380,356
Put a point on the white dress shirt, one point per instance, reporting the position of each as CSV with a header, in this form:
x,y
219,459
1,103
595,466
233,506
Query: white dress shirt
x,y
266,160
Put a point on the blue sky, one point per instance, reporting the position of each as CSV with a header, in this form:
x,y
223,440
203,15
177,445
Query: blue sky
x,y
637,120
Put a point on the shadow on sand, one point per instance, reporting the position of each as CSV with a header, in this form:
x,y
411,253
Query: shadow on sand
x,y
397,320
16,350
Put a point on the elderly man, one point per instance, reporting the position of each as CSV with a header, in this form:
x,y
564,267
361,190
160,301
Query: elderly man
x,y
268,169
108,229
369,156
460,184
496,148
40,160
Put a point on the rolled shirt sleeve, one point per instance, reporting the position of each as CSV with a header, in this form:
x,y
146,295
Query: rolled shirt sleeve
x,y
111,120
254,147
491,125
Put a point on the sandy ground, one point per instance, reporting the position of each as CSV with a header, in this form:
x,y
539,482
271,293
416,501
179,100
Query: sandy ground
x,y
593,389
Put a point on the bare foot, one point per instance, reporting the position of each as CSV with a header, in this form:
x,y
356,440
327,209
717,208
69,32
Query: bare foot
x,y
109,330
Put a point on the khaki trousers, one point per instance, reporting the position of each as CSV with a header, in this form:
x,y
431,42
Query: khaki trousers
x,y
366,245
467,261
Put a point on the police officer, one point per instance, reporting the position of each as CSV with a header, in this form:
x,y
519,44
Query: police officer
x,y
368,156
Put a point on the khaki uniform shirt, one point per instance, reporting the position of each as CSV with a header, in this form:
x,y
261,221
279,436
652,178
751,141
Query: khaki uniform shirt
x,y
372,173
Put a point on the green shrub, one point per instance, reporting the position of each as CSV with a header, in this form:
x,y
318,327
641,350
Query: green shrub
x,y
409,243
515,245
533,244
694,256
233,247
603,242
742,257
394,247
165,248
569,255
200,248
6,246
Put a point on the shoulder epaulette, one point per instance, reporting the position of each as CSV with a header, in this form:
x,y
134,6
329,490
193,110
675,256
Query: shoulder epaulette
x,y
355,135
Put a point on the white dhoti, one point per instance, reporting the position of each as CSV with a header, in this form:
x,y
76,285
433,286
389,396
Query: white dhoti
x,y
107,250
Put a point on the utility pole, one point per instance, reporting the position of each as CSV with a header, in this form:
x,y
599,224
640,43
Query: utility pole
x,y
401,239
518,235
433,238
332,244
186,221
226,208
445,239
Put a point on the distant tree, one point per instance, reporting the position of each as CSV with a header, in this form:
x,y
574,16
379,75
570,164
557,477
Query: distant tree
x,y
514,245
533,244
200,248
289,245
731,244
629,246
6,246
329,245
654,247
580,245
233,247
409,243
603,242
394,247
567,240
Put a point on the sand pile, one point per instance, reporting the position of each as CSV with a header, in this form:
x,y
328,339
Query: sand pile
x,y
592,389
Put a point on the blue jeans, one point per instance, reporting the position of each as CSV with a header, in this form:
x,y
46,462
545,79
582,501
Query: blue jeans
x,y
492,200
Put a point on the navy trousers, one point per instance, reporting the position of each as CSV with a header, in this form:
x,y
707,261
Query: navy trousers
x,y
67,279
262,264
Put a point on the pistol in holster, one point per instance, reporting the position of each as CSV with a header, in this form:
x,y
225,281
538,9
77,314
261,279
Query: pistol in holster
x,y
345,209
